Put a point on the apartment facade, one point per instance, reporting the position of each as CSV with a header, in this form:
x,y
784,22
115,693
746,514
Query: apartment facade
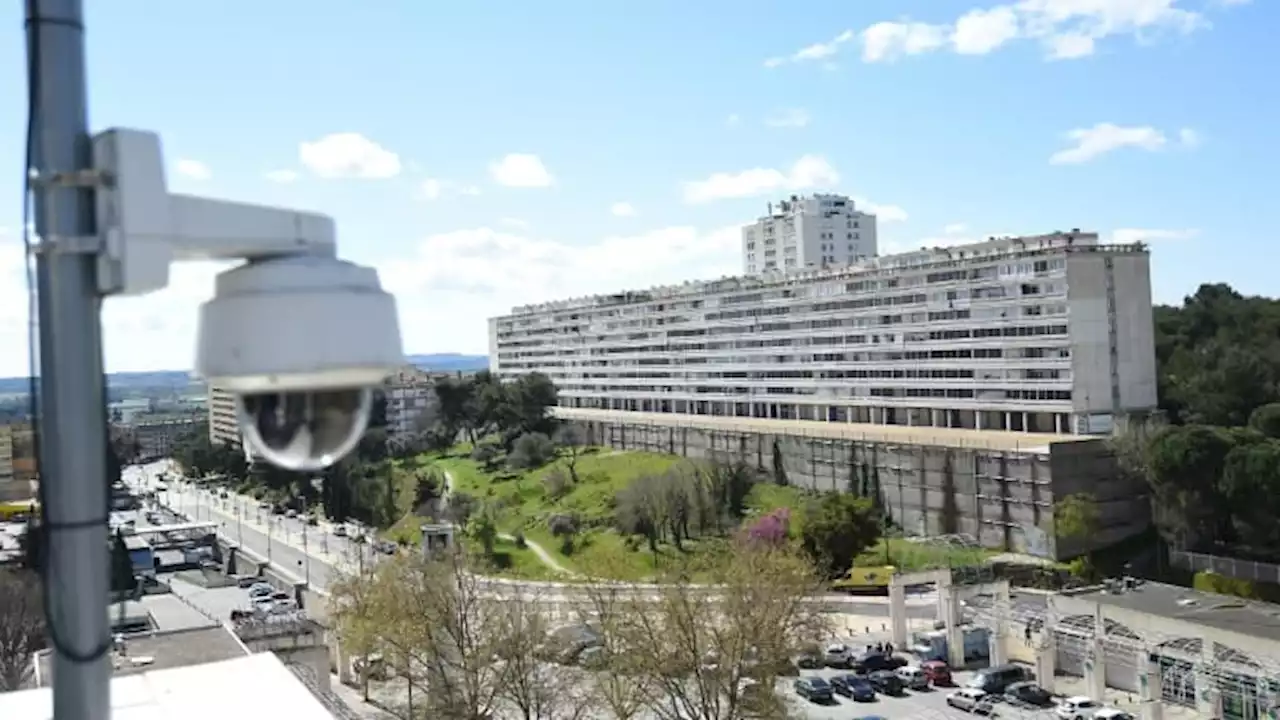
x,y
810,232
1050,333
18,466
410,395
223,426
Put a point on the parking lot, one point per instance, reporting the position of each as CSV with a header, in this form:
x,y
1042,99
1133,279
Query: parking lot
x,y
910,704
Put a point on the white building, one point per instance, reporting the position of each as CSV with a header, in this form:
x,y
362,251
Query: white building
x,y
808,232
410,395
1051,333
223,426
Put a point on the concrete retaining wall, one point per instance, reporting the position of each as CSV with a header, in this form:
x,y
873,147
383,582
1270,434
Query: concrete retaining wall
x,y
1002,498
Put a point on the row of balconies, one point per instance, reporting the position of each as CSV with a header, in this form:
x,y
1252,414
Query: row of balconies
x,y
584,328
1003,404
884,269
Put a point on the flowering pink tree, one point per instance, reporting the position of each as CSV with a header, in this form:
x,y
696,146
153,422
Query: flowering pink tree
x,y
771,528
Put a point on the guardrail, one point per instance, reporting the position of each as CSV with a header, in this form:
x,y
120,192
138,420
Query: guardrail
x,y
1226,566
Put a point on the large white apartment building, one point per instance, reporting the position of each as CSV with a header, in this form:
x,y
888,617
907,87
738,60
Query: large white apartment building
x,y
411,395
808,232
1050,333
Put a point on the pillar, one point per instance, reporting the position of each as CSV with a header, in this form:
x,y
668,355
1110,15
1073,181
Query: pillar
x,y
1095,669
1152,693
1046,659
997,652
1008,421
898,612
231,558
955,632
1057,423
1208,694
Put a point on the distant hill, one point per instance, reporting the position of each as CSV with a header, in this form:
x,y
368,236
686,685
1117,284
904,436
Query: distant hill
x,y
178,379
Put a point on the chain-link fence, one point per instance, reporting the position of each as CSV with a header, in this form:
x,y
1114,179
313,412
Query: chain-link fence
x,y
1226,566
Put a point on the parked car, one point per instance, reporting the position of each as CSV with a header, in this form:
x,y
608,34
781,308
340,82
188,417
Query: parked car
x,y
837,655
994,680
874,661
886,682
813,689
1107,713
971,700
809,659
938,672
913,677
1078,707
340,530
247,581
854,687
261,590
1028,694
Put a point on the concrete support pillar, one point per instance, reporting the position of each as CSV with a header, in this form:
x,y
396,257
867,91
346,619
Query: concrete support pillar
x,y
898,612
997,651
953,629
1046,660
1057,423
1008,421
1151,691
1208,694
978,424
1095,669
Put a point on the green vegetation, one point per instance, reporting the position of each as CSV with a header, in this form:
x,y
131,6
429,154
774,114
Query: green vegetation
x,y
1213,465
909,556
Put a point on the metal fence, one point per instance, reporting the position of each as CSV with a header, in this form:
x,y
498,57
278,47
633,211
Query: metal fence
x,y
1226,566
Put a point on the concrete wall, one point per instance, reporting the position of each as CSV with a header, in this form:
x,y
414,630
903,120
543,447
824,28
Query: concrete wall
x,y
1003,498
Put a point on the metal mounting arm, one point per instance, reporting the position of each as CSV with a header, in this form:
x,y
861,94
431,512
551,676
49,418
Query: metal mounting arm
x,y
144,228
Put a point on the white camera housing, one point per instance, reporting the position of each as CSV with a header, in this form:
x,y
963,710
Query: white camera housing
x,y
298,336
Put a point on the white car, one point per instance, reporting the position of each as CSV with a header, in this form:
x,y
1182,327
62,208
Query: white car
x,y
1078,707
836,655
970,700
1107,713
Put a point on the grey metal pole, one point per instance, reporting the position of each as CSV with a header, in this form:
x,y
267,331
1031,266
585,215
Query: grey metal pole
x,y
73,419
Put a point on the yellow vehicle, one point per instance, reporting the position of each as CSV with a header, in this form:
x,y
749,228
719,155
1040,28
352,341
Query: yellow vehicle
x,y
10,510
866,579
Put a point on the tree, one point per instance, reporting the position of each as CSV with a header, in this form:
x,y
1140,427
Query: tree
x,y
697,651
1266,420
573,444
531,450
435,622
487,455
537,689
837,529
772,528
22,626
1075,517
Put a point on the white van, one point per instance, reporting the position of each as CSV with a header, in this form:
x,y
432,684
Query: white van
x,y
913,677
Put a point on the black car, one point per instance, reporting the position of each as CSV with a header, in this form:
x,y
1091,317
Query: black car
x,y
1028,694
886,682
813,689
855,687
876,661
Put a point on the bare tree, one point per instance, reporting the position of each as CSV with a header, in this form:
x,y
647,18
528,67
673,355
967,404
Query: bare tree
x,y
535,688
700,648
619,685
433,622
573,444
22,628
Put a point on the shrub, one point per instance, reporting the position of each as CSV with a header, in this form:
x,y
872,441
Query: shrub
x,y
561,525
772,528
531,450
556,484
520,541
486,454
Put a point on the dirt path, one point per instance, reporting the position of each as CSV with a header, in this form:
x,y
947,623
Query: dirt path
x,y
543,556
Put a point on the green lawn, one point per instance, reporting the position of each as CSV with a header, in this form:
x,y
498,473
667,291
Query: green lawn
x,y
521,504
910,556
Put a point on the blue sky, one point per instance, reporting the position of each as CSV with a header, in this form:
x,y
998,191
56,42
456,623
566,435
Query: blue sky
x,y
485,154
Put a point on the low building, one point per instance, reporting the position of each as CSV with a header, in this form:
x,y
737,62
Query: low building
x,y
1216,654
146,686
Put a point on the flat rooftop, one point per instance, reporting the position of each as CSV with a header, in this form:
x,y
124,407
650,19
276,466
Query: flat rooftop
x,y
945,437
1221,612
162,651
259,684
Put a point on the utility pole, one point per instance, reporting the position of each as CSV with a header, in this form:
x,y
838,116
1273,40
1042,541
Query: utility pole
x,y
73,420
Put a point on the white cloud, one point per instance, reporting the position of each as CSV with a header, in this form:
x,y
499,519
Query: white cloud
x,y
1066,29
349,155
1128,236
1091,143
890,40
193,169
1189,138
817,51
884,213
283,177
790,118
435,188
623,209
521,170
809,172
482,272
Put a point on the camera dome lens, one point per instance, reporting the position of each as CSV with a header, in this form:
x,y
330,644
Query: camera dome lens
x,y
306,430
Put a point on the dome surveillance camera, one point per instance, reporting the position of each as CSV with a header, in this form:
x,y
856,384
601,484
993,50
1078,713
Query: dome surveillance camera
x,y
301,341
